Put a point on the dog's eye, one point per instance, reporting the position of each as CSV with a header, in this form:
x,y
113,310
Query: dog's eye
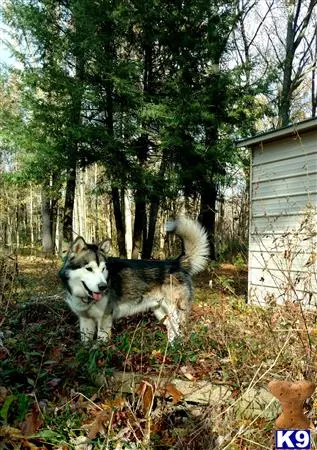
x,y
89,269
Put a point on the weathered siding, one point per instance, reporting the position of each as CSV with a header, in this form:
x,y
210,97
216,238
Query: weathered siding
x,y
283,222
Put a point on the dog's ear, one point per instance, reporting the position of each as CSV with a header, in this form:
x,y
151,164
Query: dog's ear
x,y
105,246
78,245
65,249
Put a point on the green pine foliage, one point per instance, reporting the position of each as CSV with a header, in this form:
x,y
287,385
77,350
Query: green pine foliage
x,y
144,88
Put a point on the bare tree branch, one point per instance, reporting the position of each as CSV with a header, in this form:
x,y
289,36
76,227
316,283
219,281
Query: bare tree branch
x,y
238,49
275,50
304,24
261,23
277,31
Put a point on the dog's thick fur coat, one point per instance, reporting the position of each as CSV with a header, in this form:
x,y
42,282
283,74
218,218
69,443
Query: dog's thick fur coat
x,y
101,289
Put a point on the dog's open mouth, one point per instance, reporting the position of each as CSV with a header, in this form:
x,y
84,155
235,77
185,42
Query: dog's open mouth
x,y
96,296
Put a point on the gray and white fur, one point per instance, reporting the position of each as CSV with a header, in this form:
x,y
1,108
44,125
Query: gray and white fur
x,y
101,289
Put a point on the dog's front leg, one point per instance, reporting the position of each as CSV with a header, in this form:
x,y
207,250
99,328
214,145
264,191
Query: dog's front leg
x,y
104,327
87,328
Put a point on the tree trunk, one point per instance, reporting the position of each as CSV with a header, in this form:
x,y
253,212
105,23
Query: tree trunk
x,y
119,219
149,241
207,215
139,223
141,197
128,224
54,208
17,224
47,239
73,146
31,218
54,212
117,201
69,205
154,209
286,92
297,23
96,205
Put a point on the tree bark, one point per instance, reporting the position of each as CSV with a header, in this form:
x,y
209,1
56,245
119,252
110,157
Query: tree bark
x,y
47,240
149,241
128,224
286,92
139,223
69,205
119,219
142,149
140,198
296,28
31,218
153,213
207,215
54,208
73,145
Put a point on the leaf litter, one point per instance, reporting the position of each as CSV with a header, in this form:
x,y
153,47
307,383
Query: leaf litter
x,y
48,398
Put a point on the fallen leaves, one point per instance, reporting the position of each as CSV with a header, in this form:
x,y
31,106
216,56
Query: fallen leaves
x,y
104,417
10,436
172,391
130,420
3,393
43,346
32,422
7,432
146,392
187,372
100,424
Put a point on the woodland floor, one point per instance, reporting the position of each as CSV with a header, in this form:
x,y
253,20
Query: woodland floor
x,y
48,397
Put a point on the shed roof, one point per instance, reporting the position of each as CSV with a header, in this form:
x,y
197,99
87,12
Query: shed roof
x,y
293,129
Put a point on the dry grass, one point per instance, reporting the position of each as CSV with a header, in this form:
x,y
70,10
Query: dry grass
x,y
49,374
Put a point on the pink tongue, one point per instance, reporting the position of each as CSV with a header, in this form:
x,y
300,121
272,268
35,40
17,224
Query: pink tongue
x,y
96,296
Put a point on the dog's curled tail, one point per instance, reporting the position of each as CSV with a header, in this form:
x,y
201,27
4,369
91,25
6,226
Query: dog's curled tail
x,y
195,240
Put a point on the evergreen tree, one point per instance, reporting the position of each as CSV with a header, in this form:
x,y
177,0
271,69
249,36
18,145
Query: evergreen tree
x,y
143,88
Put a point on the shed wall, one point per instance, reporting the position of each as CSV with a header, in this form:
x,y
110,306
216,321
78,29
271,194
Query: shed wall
x,y
283,222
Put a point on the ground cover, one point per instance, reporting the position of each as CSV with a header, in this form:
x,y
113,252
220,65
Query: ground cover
x,y
50,397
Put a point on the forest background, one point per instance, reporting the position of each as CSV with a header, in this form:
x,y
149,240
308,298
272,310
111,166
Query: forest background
x,y
116,115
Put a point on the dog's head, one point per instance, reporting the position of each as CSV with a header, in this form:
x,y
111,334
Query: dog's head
x,y
84,272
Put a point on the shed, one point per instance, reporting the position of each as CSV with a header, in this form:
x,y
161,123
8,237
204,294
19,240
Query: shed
x,y
283,220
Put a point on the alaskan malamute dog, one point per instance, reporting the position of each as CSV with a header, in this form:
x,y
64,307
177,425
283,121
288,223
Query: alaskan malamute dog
x,y
101,289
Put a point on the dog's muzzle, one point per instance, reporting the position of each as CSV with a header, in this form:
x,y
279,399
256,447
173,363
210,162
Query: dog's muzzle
x,y
102,287
97,296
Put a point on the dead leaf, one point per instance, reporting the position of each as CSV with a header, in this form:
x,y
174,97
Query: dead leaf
x,y
102,417
13,436
100,424
160,358
118,402
32,422
55,355
29,445
172,391
10,432
186,372
3,393
146,391
81,443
